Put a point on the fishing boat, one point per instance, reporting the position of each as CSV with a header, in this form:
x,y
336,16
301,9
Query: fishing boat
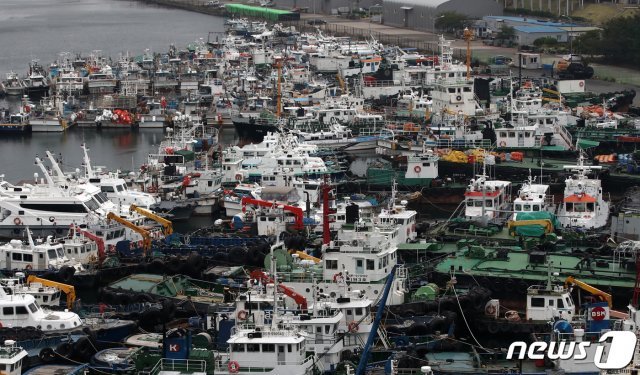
x,y
421,169
47,117
11,358
583,205
36,84
14,123
13,85
487,200
533,197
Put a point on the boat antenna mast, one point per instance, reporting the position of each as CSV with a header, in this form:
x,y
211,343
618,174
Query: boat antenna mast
x,y
468,35
87,161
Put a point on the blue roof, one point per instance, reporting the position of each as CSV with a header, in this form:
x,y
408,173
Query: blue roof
x,y
532,21
538,29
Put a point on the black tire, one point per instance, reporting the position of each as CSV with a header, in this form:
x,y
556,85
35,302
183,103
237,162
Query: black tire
x,y
47,355
64,349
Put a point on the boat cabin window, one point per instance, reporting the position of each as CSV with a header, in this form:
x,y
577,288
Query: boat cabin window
x,y
527,207
371,264
327,330
268,348
253,347
34,307
238,348
560,303
100,197
332,264
488,203
73,208
536,207
537,302
107,189
518,207
358,311
92,205
21,310
52,253
7,310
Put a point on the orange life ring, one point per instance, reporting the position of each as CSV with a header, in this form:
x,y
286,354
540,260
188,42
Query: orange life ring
x,y
239,177
242,315
233,367
503,143
17,221
417,169
337,276
354,327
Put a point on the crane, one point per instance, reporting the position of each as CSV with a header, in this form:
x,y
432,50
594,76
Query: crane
x,y
69,290
166,224
362,365
265,279
97,239
586,287
297,211
146,236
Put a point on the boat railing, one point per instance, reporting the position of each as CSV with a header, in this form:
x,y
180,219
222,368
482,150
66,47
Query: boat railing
x,y
181,365
458,143
222,363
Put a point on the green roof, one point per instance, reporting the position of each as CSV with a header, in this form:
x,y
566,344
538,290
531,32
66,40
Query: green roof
x,y
262,12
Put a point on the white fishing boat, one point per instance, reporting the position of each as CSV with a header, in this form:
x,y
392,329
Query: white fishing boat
x,y
583,204
533,197
487,200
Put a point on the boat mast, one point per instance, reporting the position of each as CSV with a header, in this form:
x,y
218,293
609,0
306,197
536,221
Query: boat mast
x,y
45,172
55,166
87,161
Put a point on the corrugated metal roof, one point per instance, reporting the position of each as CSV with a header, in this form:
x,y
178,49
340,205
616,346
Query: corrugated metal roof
x,y
421,3
532,21
538,29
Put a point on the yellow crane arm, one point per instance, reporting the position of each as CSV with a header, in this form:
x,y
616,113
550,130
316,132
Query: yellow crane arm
x,y
146,237
166,224
69,290
586,287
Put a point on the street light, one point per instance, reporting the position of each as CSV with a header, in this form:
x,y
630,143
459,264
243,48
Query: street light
x,y
433,22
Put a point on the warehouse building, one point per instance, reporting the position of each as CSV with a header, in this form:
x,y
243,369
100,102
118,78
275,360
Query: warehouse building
x,y
422,14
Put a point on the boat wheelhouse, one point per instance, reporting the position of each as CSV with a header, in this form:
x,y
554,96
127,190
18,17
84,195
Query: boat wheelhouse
x,y
583,205
486,200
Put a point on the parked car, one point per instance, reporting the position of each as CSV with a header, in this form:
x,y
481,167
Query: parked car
x,y
316,21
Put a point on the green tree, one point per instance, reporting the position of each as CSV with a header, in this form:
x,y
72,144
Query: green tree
x,y
620,43
589,43
451,21
545,41
506,33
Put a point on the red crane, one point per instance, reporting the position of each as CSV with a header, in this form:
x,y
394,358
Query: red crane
x,y
297,211
266,279
97,239
327,196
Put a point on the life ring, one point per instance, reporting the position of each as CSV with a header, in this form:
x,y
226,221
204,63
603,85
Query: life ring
x,y
353,327
28,267
512,316
233,367
52,219
239,177
459,98
242,315
581,84
503,144
490,310
17,221
337,277
417,169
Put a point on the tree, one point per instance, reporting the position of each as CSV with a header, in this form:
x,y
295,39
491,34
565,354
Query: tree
x,y
589,43
545,41
506,33
450,21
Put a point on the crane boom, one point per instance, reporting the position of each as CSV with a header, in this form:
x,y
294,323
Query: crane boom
x,y
297,211
586,287
69,290
97,239
146,236
264,278
167,225
376,323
